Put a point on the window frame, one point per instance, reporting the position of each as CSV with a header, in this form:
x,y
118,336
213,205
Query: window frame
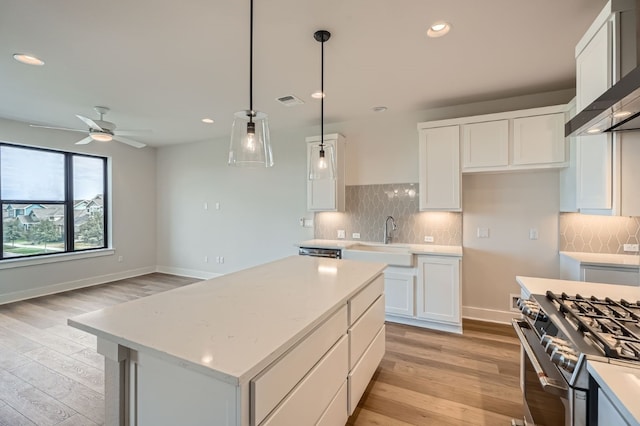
x,y
68,203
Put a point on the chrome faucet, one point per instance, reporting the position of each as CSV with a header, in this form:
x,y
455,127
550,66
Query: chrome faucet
x,y
387,231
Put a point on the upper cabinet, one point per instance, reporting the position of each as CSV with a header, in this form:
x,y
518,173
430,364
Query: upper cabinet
x,y
327,195
439,167
485,144
516,140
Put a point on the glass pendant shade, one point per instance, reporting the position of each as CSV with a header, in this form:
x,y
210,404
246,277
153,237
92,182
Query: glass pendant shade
x,y
250,145
321,162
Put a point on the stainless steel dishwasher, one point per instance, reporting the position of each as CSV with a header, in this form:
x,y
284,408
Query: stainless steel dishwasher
x,y
321,252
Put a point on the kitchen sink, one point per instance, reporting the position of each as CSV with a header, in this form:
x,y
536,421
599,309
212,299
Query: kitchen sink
x,y
386,253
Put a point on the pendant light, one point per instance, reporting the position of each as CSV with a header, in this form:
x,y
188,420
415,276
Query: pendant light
x,y
322,158
250,145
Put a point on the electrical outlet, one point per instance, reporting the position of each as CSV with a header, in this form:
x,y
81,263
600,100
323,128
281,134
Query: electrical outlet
x,y
513,302
631,247
120,259
341,233
428,239
221,259
206,259
355,235
483,232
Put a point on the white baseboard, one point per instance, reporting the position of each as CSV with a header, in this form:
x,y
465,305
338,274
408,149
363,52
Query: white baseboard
x,y
191,273
490,315
72,285
433,325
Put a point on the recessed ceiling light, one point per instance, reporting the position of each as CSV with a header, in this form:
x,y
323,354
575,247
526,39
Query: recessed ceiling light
x,y
594,130
379,109
207,120
28,59
438,29
318,95
621,114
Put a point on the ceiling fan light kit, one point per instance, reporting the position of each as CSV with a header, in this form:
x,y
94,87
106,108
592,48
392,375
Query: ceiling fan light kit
x,y
250,142
98,130
322,158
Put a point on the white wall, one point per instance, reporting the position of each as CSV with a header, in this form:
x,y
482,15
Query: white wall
x,y
133,217
259,214
509,204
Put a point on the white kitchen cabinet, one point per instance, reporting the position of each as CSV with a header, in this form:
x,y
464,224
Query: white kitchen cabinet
x,y
439,166
438,290
610,275
539,139
399,290
608,414
569,175
604,54
327,195
485,145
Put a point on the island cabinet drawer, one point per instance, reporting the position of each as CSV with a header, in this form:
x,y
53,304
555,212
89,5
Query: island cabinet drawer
x,y
360,376
336,412
308,401
270,386
362,333
361,301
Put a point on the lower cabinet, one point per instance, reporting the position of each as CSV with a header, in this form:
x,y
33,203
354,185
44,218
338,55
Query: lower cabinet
x,y
399,289
610,275
428,297
438,295
608,414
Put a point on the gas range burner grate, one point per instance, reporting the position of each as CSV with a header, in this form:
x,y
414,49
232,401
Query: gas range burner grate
x,y
614,326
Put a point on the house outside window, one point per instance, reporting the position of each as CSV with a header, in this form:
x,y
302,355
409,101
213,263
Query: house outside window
x,y
52,202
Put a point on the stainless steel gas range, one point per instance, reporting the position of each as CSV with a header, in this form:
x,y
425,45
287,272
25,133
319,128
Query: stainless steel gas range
x,y
558,334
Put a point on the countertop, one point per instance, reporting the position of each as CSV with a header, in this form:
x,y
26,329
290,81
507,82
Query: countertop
x,y
622,385
604,259
413,248
232,327
533,285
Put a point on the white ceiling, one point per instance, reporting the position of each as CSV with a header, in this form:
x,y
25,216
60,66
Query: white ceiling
x,y
164,65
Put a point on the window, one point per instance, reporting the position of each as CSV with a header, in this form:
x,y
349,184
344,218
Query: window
x,y
52,201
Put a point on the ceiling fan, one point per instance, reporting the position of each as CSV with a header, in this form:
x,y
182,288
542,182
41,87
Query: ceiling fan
x,y
100,130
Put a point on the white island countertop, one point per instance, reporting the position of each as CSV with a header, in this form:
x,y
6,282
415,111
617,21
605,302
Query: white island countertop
x,y
234,326
430,249
622,386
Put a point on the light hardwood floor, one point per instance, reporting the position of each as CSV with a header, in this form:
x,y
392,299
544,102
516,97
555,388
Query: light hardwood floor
x,y
50,373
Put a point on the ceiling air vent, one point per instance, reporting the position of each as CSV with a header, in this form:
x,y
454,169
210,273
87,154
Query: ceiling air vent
x,y
289,100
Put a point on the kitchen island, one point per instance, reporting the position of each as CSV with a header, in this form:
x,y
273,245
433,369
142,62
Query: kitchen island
x,y
294,341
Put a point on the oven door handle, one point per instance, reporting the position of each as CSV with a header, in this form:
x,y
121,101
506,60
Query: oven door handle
x,y
548,385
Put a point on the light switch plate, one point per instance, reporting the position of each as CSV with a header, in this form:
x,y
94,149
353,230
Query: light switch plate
x,y
483,232
341,233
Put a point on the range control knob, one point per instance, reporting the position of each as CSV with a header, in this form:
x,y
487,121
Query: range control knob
x,y
554,342
565,360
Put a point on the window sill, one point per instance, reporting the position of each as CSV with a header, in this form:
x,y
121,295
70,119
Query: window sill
x,y
54,258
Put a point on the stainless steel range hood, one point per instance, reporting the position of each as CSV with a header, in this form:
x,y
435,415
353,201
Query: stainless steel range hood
x,y
617,109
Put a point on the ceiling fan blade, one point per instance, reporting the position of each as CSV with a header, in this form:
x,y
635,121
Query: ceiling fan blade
x,y
84,141
129,142
57,128
89,122
131,132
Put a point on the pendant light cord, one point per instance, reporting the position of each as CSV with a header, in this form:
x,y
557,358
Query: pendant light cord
x,y
322,98
251,63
